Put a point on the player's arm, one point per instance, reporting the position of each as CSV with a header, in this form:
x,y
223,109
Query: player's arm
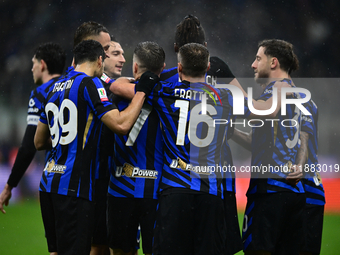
x,y
123,87
23,159
121,122
42,138
301,158
242,138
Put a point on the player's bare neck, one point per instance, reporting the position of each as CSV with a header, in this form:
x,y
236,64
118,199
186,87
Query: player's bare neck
x,y
192,79
87,68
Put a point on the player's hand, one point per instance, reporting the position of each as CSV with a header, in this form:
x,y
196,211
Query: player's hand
x,y
147,82
295,174
219,69
5,196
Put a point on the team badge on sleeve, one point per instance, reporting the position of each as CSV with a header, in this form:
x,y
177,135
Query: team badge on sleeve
x,y
102,94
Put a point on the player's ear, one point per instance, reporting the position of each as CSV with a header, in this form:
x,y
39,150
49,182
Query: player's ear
x,y
176,47
43,65
274,62
135,68
208,66
100,61
179,67
205,44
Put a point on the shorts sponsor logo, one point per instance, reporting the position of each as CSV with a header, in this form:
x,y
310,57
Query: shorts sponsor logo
x,y
51,167
131,171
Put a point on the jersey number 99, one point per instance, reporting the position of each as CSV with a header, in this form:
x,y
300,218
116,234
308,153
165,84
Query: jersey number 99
x,y
57,121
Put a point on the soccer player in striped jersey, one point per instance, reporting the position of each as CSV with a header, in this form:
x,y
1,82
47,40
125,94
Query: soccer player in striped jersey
x,y
307,159
96,31
138,163
273,216
48,64
190,30
112,69
69,126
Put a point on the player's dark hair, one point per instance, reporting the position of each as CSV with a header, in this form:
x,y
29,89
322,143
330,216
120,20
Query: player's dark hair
x,y
194,58
150,56
88,51
283,51
189,30
53,55
87,30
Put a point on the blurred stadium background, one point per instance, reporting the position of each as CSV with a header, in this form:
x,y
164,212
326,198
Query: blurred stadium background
x,y
233,29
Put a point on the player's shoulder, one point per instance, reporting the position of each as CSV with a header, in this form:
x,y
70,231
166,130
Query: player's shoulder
x,y
170,75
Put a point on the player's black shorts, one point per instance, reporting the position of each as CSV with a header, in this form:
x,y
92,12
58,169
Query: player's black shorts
x,y
273,222
68,223
100,202
124,217
312,228
234,240
189,223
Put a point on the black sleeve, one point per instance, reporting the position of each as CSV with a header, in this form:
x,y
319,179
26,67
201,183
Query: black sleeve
x,y
220,69
24,157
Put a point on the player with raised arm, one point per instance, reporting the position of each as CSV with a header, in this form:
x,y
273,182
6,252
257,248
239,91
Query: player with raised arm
x,y
273,216
48,64
138,163
69,125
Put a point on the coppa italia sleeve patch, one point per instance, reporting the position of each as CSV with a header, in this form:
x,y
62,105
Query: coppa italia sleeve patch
x,y
102,94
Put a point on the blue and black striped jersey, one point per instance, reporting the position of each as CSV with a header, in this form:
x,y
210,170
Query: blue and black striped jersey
x,y
37,101
106,138
312,183
193,143
138,156
218,69
273,145
72,112
170,75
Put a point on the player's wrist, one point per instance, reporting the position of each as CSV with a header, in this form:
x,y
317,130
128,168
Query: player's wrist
x,y
8,187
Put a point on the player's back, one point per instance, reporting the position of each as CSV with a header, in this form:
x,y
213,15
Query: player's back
x,y
72,113
193,144
138,156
